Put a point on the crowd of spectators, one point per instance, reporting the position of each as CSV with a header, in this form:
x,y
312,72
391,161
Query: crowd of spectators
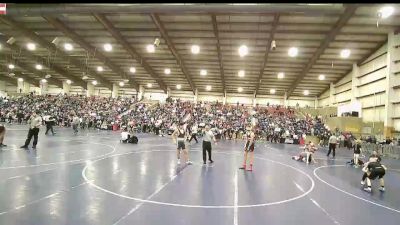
x,y
272,123
96,112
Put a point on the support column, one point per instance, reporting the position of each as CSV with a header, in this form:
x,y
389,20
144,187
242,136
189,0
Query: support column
x,y
115,91
90,90
44,88
285,100
331,95
195,96
66,87
140,92
254,100
168,92
27,88
316,102
3,89
20,87
354,82
224,98
390,82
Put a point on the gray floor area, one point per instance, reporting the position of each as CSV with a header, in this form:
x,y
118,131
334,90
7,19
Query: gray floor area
x,y
91,178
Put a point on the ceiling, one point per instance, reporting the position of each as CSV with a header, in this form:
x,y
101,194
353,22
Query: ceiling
x,y
319,31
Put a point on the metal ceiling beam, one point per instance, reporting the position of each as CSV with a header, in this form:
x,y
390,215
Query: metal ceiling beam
x,y
348,13
58,24
221,66
358,64
268,49
33,57
55,50
30,80
164,34
134,54
57,9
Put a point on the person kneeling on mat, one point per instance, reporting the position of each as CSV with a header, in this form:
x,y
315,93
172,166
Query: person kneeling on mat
x,y
372,171
125,136
307,154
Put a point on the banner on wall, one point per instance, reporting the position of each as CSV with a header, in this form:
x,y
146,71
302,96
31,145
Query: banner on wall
x,y
352,109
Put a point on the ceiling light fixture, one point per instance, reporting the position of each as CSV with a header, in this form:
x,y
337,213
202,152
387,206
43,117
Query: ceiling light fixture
x,y
132,70
121,84
31,46
293,52
306,92
100,69
150,48
149,85
167,71
69,81
321,77
11,66
281,75
243,50
385,12
203,72
240,89
208,87
241,73
178,86
68,47
195,49
39,67
272,91
345,53
94,82
107,47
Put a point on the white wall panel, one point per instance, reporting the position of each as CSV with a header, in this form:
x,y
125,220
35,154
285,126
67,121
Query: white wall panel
x,y
371,88
344,96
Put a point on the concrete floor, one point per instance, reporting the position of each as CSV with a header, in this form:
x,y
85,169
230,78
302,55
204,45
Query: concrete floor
x,y
91,178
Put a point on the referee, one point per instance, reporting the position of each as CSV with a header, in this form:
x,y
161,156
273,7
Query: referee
x,y
332,145
35,121
208,136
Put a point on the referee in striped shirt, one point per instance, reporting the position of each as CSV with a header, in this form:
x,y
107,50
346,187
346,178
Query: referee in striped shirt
x,y
208,136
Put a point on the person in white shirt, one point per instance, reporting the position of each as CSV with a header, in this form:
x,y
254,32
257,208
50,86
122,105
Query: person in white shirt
x,y
193,134
35,121
332,145
208,136
125,136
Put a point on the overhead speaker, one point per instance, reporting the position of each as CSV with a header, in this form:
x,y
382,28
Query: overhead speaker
x,y
11,40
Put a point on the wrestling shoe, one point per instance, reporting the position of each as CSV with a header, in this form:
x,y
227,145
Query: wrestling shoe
x,y
362,183
179,162
24,146
2,145
250,168
382,189
368,189
243,167
189,162
211,161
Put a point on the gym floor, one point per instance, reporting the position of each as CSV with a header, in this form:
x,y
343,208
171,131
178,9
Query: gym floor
x,y
92,178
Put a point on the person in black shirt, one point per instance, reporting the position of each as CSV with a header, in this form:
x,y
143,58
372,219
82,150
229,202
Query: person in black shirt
x,y
2,134
372,171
